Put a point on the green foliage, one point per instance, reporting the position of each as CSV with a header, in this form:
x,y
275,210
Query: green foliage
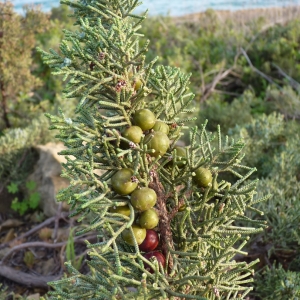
x,y
101,62
276,46
5,295
12,188
283,211
224,114
17,83
3,292
209,47
264,138
277,283
70,252
274,144
284,100
23,95
52,86
16,154
22,206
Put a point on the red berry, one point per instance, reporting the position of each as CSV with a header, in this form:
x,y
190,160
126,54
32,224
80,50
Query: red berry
x,y
150,242
158,255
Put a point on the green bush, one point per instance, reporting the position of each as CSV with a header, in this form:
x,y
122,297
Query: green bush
x,y
226,114
277,283
264,136
273,145
283,210
17,39
52,86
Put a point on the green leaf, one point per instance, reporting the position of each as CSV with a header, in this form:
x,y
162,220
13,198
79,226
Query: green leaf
x,y
31,185
29,259
23,207
70,251
15,205
34,200
12,188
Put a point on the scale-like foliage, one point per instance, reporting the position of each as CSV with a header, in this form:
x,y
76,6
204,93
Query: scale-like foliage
x,y
106,72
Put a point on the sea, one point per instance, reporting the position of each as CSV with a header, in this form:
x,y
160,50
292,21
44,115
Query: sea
x,y
177,7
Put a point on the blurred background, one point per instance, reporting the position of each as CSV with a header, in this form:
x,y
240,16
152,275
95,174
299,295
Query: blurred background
x,y
178,7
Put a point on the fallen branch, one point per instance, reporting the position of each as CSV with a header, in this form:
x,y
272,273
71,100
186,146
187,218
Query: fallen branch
x,y
207,89
33,230
291,80
210,88
45,245
30,281
56,222
258,71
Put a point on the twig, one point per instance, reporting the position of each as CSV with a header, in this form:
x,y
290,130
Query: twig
x,y
267,261
43,244
258,71
164,221
208,89
292,81
56,222
33,230
61,256
202,77
30,281
227,93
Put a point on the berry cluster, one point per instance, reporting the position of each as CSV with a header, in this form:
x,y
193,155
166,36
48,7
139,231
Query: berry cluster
x,y
143,199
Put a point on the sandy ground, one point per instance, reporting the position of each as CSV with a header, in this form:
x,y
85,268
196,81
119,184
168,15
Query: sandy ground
x,y
240,17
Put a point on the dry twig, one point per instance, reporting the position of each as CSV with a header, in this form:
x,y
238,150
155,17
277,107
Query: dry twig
x,y
56,222
208,89
45,245
258,71
29,280
34,229
291,80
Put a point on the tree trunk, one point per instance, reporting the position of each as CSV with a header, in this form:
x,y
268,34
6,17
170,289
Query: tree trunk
x,y
4,106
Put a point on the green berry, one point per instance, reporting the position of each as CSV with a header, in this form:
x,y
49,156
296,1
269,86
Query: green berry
x,y
143,199
159,143
133,133
144,118
121,182
203,177
149,219
162,127
138,232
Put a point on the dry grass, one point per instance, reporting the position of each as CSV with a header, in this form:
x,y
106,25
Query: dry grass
x,y
243,17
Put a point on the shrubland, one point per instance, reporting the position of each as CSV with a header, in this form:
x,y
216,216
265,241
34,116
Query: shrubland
x,y
246,79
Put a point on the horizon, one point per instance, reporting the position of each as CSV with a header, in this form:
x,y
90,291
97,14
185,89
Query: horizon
x,y
177,7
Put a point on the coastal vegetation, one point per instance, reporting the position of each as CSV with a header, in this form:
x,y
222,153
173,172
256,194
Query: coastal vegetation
x,y
246,78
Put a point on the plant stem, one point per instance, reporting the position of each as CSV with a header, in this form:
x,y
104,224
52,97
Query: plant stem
x,y
164,218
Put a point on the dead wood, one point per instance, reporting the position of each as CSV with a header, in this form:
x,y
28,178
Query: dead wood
x,y
29,280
